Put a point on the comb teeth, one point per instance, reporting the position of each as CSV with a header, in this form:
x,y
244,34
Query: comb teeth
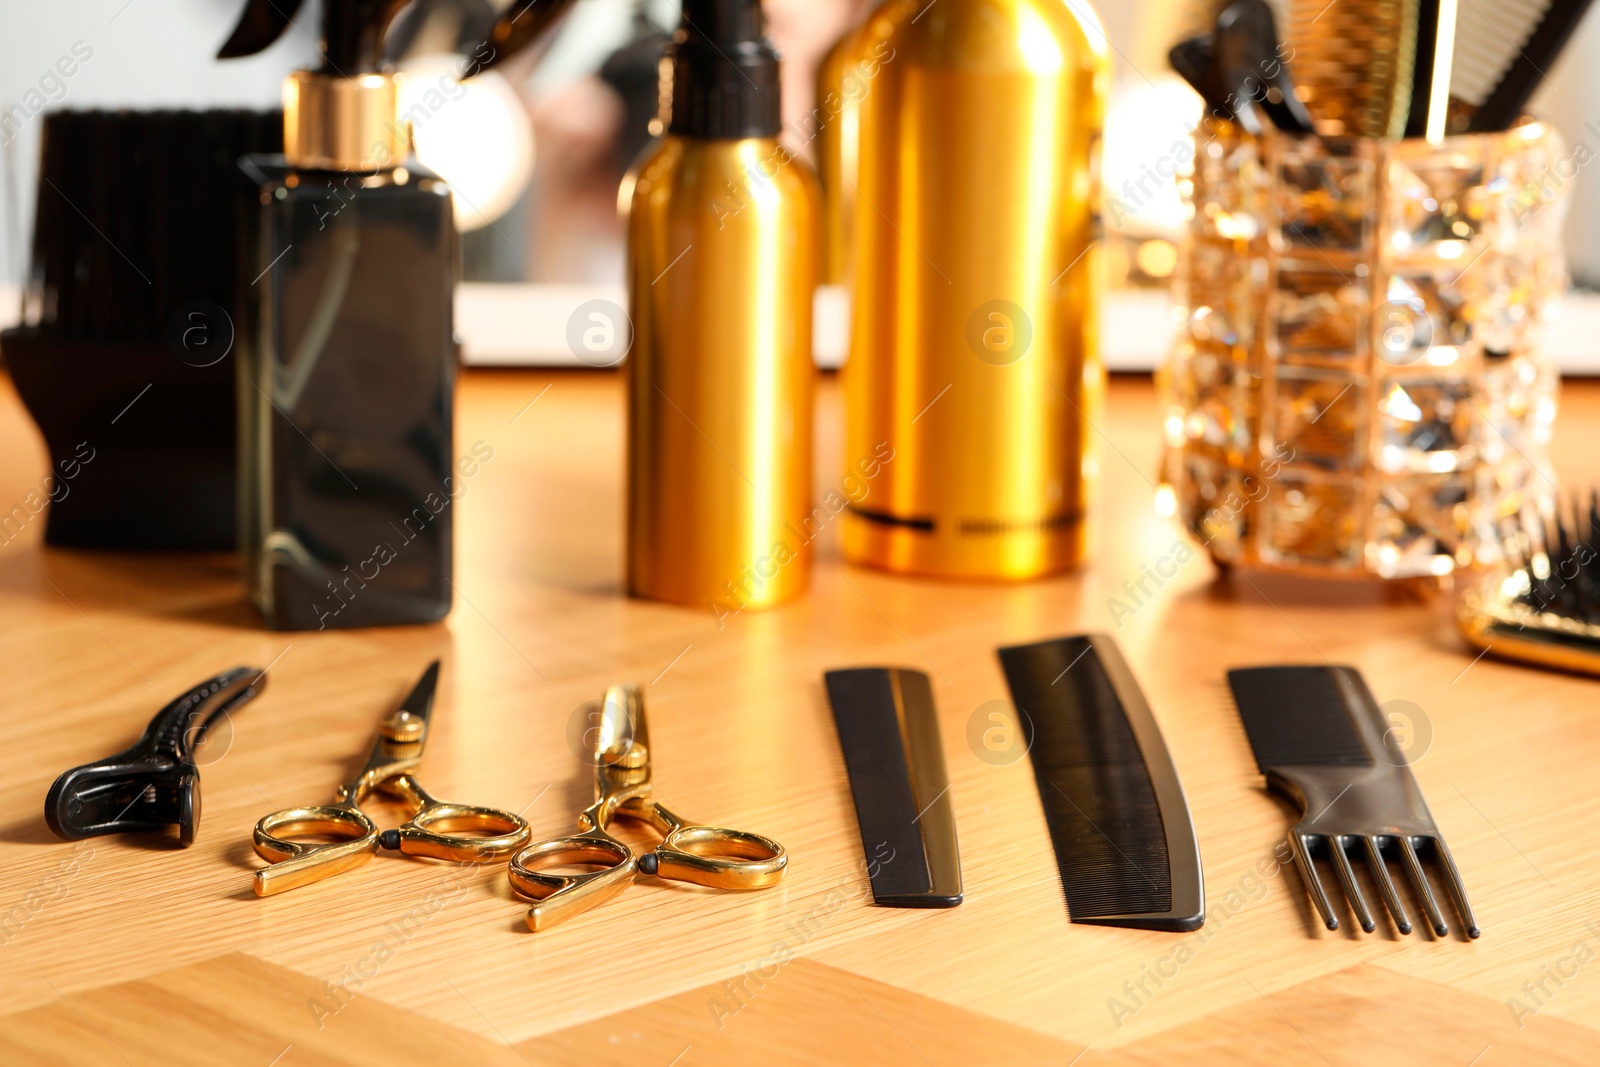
x,y
1105,822
1293,724
1488,37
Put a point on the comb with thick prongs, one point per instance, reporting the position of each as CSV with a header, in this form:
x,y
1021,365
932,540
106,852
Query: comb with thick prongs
x,y
1317,735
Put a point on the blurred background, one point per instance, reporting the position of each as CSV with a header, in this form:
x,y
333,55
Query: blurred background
x,y
536,150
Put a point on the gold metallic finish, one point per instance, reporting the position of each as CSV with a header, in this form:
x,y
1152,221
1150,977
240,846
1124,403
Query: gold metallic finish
x,y
974,351
722,265
1353,63
437,829
843,78
704,855
338,123
1495,622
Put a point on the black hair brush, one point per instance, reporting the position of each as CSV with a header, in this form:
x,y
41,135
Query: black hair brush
x,y
1543,605
122,354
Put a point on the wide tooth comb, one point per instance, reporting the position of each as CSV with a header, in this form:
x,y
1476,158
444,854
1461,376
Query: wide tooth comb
x,y
1317,735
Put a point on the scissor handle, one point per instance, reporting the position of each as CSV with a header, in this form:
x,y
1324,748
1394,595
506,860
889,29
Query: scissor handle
x,y
560,896
710,855
293,864
435,829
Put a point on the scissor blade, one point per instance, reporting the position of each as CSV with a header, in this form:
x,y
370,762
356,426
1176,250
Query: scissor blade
x,y
420,702
393,754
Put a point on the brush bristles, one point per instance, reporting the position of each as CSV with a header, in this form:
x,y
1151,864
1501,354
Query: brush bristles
x,y
1557,560
134,217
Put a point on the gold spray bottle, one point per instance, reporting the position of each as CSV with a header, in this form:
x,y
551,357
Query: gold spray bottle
x,y
722,264
973,348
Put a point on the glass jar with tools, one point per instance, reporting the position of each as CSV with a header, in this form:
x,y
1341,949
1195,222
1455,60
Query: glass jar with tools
x,y
1357,387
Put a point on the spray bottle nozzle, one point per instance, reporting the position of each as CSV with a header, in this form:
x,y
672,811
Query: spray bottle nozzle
x,y
725,21
724,72
525,22
352,31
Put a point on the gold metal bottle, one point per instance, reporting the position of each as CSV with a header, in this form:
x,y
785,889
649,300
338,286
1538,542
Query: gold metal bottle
x,y
974,351
722,264
843,78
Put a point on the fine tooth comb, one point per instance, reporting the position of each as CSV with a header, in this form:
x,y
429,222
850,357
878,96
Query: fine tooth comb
x,y
1317,735
889,731
1354,58
155,783
1123,839
1503,51
1544,608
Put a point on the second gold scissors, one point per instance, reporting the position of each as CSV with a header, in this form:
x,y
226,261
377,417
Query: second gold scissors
x,y
706,855
492,834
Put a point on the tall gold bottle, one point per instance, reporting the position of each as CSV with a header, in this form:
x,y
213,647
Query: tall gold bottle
x,y
843,78
974,351
722,264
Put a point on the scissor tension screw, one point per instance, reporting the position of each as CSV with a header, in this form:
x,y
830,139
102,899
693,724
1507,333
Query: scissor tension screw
x,y
404,727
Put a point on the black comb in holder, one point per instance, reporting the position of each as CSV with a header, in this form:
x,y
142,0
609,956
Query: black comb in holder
x,y
889,732
155,783
1317,735
123,355
1118,820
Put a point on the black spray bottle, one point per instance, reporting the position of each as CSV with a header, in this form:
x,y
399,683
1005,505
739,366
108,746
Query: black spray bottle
x,y
346,344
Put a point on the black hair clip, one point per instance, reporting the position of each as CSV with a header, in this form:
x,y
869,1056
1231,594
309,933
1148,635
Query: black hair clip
x,y
155,783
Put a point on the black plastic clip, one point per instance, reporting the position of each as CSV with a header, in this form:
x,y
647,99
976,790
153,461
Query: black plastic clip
x,y
156,783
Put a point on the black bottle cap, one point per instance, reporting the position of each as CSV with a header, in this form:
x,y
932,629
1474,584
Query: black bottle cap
x,y
724,72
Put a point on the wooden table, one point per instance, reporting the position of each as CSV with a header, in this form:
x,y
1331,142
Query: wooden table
x,y
131,951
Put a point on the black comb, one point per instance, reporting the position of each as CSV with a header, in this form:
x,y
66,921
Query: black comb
x,y
1118,820
155,783
890,735
1318,736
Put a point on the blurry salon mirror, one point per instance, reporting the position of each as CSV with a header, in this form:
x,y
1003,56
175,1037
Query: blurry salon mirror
x,y
536,148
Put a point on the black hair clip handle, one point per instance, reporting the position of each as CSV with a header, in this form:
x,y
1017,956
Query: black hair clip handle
x,y
155,783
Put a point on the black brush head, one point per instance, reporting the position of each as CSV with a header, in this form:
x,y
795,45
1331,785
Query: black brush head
x,y
115,260
1561,560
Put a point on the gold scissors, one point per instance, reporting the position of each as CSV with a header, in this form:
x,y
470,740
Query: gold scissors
x,y
492,833
706,855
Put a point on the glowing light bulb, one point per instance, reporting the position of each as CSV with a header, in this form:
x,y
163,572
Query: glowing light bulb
x,y
474,133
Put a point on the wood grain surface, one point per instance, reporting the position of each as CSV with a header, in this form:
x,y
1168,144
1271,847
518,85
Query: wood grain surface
x,y
130,950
